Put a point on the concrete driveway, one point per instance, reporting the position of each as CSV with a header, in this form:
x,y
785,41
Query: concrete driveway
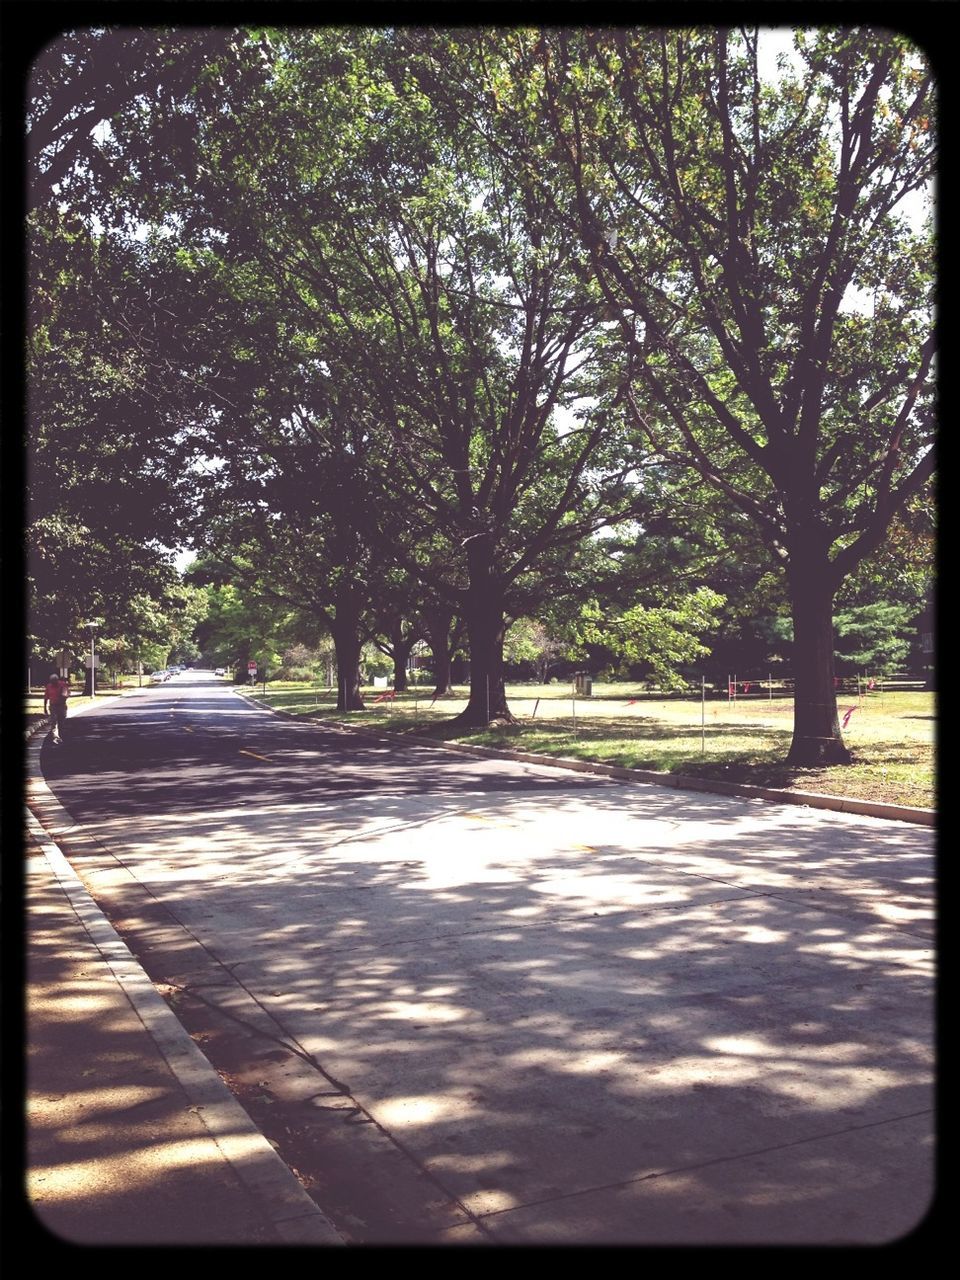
x,y
503,1003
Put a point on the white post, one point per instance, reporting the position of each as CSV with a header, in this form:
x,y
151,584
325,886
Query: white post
x,y
769,687
703,715
93,668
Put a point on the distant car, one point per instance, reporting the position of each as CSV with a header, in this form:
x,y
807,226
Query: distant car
x,y
220,671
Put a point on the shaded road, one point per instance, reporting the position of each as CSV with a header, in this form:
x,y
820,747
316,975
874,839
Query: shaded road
x,y
500,1002
192,742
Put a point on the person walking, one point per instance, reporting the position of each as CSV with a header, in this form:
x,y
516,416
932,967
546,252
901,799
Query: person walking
x,y
55,694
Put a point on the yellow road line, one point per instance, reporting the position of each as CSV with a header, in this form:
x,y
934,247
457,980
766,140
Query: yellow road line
x,y
244,752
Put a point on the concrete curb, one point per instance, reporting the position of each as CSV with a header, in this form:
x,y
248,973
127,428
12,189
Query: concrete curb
x,y
291,1211
678,781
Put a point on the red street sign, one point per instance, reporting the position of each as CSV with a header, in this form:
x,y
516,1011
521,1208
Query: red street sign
x,y
251,666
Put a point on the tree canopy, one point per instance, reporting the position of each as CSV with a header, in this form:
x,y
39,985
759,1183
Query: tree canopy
x,y
438,304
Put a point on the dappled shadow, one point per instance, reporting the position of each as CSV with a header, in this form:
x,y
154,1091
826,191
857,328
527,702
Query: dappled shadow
x,y
161,758
114,1154
591,1011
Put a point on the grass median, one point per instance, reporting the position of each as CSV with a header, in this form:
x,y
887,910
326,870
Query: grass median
x,y
891,734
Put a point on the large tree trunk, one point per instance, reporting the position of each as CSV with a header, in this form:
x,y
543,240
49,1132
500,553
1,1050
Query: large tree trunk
x,y
348,645
485,628
816,729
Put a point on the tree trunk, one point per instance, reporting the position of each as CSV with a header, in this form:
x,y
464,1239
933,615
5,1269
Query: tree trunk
x,y
348,646
816,729
486,628
400,653
437,624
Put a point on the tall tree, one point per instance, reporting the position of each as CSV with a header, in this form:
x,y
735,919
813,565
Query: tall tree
x,y
108,456
432,287
749,233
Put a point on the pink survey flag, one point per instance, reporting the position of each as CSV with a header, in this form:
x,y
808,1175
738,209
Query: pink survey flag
x,y
850,712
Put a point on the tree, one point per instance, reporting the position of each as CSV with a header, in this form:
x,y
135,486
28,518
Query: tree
x,y
109,455
433,290
874,638
662,637
101,469
736,227
242,621
529,640
90,78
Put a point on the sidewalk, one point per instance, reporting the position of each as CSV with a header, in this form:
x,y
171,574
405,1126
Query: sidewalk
x,y
131,1136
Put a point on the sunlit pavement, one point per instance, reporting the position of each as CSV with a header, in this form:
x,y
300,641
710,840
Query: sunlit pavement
x,y
556,1009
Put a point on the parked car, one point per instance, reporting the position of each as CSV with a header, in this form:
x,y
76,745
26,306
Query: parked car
x,y
220,671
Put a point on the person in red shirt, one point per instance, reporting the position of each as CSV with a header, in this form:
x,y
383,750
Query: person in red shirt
x,y
55,694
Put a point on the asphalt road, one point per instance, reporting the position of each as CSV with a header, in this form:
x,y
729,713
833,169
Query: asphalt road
x,y
480,1001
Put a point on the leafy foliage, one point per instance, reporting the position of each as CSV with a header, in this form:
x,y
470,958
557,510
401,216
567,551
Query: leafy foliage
x,y
663,637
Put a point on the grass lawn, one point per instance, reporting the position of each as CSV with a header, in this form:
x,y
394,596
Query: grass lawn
x,y
891,734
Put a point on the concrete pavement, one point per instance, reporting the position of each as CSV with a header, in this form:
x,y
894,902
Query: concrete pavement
x,y
615,1016
132,1137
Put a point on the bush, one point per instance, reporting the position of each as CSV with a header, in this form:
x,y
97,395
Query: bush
x,y
298,673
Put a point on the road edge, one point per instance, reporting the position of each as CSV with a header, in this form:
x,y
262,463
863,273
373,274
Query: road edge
x,y
675,781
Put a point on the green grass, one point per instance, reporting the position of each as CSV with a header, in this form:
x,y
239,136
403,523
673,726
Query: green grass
x,y
890,734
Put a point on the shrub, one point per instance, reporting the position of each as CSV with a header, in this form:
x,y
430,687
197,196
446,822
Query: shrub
x,y
298,673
